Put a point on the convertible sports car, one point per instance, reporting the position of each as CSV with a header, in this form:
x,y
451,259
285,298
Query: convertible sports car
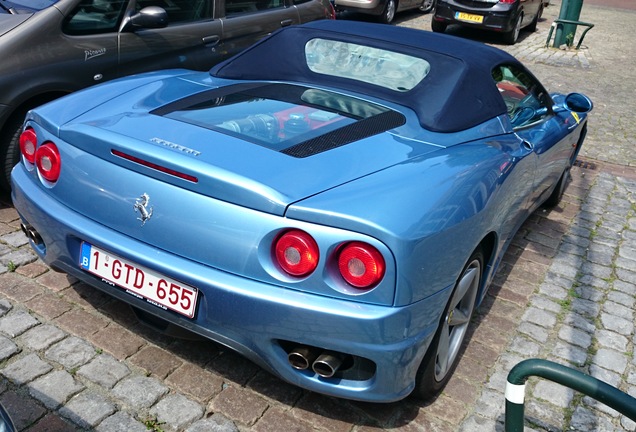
x,y
331,203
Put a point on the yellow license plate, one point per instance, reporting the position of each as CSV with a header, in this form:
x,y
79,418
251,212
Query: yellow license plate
x,y
469,17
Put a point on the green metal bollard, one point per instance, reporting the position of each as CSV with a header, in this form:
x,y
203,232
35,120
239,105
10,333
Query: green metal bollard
x,y
559,38
570,10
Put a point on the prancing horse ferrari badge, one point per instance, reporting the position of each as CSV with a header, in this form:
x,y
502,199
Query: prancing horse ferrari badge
x,y
141,206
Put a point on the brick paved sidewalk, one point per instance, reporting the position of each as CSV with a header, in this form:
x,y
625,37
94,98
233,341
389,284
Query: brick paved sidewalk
x,y
581,315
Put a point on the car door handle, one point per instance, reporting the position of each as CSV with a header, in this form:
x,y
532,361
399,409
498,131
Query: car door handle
x,y
287,22
527,145
211,40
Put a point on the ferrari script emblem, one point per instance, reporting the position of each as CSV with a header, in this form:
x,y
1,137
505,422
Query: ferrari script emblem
x,y
141,206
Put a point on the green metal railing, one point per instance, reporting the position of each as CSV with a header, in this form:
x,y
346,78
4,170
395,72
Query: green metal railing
x,y
590,386
559,21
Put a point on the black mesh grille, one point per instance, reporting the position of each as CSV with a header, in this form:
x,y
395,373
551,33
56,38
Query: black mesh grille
x,y
348,134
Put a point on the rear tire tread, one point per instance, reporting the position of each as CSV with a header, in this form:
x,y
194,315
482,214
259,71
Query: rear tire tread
x,y
438,26
557,194
9,150
388,14
512,36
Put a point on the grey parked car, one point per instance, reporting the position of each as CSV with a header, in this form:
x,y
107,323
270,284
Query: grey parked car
x,y
384,10
50,48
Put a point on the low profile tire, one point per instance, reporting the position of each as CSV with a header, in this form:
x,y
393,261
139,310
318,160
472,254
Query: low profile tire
x,y
9,151
438,26
427,6
512,36
555,197
443,353
389,12
533,26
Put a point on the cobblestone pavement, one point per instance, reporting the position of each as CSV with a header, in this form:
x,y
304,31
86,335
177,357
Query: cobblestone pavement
x,y
74,359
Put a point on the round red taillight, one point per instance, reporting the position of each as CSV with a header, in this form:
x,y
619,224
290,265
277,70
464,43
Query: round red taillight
x,y
28,144
296,253
48,161
361,265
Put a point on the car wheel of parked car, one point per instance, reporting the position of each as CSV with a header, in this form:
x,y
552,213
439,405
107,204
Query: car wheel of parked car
x,y
555,198
511,37
9,150
438,26
427,6
443,353
389,12
533,25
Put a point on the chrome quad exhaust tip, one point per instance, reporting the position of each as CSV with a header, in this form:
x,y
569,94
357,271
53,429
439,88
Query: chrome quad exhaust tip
x,y
31,234
323,363
327,364
302,357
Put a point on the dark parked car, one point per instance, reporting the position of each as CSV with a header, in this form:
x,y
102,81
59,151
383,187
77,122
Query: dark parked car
x,y
332,202
384,10
505,16
51,48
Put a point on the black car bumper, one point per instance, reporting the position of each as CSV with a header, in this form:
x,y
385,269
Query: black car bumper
x,y
490,16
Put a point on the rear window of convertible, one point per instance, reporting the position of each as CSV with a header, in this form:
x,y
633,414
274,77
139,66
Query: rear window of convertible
x,y
395,71
295,120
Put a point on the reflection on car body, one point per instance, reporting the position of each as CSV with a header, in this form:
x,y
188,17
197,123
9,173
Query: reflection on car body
x,y
333,226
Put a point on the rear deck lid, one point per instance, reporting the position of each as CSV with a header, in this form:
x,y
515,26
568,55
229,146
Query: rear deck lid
x,y
258,145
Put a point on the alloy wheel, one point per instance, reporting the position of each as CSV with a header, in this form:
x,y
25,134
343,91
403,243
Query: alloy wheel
x,y
389,12
457,319
427,6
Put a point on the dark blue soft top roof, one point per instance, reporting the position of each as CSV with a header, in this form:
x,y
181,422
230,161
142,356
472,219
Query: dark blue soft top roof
x,y
458,93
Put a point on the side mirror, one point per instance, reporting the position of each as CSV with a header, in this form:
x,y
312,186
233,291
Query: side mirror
x,y
149,17
578,102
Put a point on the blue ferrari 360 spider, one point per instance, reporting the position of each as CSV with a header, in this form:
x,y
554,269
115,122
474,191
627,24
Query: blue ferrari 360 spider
x,y
332,202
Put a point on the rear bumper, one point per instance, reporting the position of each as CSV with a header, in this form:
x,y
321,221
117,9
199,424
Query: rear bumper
x,y
498,17
261,321
371,7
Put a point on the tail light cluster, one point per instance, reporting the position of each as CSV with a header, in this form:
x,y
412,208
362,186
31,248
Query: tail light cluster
x,y
45,157
360,264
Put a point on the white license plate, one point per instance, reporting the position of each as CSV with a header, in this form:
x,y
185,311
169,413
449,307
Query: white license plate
x,y
469,17
139,281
